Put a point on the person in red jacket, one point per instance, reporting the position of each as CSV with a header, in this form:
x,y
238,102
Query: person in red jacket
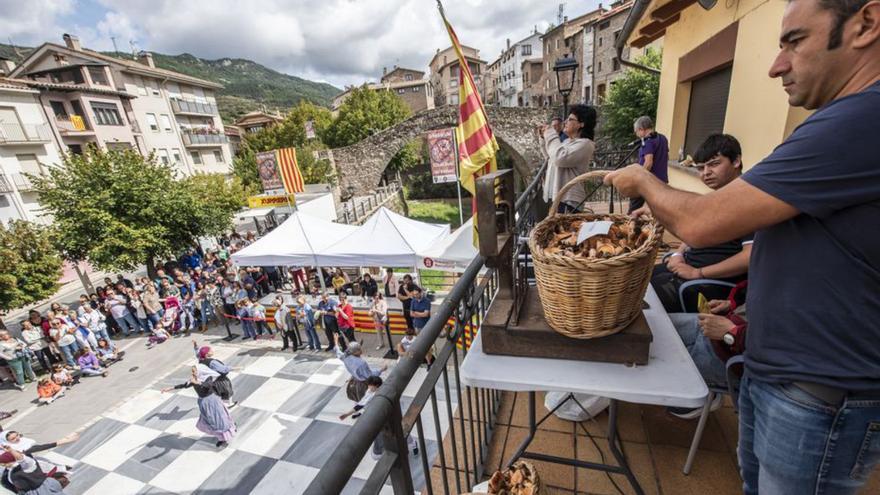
x,y
711,339
345,320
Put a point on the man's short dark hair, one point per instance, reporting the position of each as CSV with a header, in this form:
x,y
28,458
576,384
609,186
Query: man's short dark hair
x,y
374,381
842,10
718,144
586,115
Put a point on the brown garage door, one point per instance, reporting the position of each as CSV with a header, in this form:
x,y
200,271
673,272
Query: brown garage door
x,y
707,108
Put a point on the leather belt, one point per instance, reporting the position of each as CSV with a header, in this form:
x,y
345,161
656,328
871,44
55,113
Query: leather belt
x,y
833,395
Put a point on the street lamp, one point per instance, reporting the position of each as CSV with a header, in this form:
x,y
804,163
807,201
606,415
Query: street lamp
x,y
565,70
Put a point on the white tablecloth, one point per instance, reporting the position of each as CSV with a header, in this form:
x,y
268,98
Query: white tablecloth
x,y
670,378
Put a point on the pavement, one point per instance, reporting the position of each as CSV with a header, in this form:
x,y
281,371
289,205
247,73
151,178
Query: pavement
x,y
135,439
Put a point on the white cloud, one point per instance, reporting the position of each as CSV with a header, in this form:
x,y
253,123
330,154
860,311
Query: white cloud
x,y
30,22
339,41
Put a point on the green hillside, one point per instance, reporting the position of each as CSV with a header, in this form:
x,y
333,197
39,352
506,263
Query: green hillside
x,y
247,84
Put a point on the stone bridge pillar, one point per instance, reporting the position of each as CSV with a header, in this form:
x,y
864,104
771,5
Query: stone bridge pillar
x,y
361,165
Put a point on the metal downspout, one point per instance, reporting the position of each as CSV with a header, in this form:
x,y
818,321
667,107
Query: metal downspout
x,y
635,15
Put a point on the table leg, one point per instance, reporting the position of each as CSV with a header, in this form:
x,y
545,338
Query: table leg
x,y
533,427
698,435
613,441
622,466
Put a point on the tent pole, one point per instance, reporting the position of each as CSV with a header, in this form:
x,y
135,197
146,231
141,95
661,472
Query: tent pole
x,y
321,278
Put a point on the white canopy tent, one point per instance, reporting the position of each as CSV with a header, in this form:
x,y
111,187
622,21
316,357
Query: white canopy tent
x,y
453,253
295,242
385,239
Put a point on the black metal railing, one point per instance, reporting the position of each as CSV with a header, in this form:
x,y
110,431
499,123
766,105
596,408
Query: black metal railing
x,y
461,449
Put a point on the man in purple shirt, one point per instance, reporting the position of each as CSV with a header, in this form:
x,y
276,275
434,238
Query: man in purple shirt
x,y
653,154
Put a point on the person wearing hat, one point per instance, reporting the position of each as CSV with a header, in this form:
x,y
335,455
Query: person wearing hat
x,y
215,369
357,367
214,416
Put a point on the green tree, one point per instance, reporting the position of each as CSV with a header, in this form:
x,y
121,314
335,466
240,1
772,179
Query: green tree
x,y
363,113
30,266
633,95
119,210
215,200
244,167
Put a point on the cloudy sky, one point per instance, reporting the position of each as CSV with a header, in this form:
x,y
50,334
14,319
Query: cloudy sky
x,y
337,41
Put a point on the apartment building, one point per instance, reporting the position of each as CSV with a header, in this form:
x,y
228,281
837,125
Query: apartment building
x,y
168,114
531,95
511,81
561,42
600,67
444,73
409,85
258,120
491,82
27,146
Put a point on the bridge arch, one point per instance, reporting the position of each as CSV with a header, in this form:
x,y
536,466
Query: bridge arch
x,y
361,165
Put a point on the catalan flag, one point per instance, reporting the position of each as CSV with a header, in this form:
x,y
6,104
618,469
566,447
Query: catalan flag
x,y
290,175
476,143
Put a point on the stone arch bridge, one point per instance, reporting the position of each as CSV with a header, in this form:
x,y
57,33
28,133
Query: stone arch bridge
x,y
361,165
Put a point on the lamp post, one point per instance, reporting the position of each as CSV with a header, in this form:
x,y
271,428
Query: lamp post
x,y
565,70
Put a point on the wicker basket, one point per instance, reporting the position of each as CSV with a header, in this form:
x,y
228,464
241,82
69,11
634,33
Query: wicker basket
x,y
589,298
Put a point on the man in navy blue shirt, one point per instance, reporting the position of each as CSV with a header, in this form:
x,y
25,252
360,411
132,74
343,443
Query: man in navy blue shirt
x,y
420,309
810,398
653,154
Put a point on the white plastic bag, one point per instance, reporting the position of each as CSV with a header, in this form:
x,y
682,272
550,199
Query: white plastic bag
x,y
570,411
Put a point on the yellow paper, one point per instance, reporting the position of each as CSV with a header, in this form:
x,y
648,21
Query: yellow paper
x,y
702,304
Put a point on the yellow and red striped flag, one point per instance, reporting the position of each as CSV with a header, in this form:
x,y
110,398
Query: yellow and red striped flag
x,y
476,143
290,175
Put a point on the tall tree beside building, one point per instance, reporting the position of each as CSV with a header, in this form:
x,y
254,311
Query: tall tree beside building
x,y
30,266
290,133
364,113
630,97
119,210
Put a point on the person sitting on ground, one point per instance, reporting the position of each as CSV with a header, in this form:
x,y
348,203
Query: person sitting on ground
x,y
571,158
719,161
48,391
158,336
107,354
89,364
357,367
64,377
405,343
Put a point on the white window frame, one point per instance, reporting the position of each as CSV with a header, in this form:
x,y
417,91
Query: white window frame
x,y
196,157
165,120
152,122
218,156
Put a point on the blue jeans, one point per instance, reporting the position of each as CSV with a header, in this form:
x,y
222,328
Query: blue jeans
x,y
101,333
186,312
312,335
68,351
127,322
207,312
792,442
249,331
700,348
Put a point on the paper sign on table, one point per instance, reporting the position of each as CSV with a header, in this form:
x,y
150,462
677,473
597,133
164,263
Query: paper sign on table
x,y
589,229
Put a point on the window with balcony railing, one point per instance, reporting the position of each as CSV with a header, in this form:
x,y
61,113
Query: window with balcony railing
x,y
24,133
181,105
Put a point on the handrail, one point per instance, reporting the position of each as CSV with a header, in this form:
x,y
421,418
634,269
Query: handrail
x,y
383,412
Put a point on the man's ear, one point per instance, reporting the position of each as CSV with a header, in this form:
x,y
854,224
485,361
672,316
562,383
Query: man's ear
x,y
738,163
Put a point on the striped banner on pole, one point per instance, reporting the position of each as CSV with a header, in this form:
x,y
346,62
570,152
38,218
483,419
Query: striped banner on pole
x,y
290,174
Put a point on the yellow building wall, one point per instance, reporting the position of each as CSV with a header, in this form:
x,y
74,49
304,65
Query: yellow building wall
x,y
757,110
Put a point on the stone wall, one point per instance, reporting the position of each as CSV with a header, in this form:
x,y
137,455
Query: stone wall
x,y
361,165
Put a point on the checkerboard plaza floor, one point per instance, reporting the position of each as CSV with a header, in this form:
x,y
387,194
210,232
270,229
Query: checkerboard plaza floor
x,y
287,419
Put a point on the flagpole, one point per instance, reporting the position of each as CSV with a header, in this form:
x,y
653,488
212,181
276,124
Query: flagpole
x,y
457,176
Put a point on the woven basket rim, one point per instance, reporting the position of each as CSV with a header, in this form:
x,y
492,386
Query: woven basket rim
x,y
595,263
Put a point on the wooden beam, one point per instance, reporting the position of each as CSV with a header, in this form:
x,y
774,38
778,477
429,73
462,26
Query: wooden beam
x,y
644,41
664,12
658,26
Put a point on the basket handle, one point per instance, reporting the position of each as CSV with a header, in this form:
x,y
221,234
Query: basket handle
x,y
594,174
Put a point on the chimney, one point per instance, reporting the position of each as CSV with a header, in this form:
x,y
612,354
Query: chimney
x,y
6,66
384,70
565,19
72,42
508,43
146,58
